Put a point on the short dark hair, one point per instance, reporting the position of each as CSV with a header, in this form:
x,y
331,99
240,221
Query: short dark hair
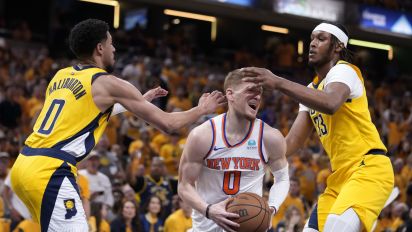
x,y
86,35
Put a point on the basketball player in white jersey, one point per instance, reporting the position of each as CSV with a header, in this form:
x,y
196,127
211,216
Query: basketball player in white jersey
x,y
227,155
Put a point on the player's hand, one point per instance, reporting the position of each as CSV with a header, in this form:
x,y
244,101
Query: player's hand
x,y
273,211
218,214
261,77
155,93
209,102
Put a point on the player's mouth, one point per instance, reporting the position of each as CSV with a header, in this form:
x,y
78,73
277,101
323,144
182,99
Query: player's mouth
x,y
312,53
253,105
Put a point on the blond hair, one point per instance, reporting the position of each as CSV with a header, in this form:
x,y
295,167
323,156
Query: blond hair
x,y
232,79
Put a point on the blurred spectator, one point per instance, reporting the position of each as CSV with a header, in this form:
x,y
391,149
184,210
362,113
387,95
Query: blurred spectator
x,y
180,220
156,184
304,169
141,153
11,105
129,193
27,225
99,184
294,199
400,181
171,153
150,220
84,191
325,171
119,199
293,221
285,52
22,32
385,220
110,164
128,219
158,141
4,168
408,200
179,102
97,220
133,71
407,226
398,210
112,131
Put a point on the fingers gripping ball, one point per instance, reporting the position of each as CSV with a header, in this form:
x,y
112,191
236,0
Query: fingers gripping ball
x,y
253,210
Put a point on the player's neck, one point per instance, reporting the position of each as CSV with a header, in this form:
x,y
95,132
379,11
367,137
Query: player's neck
x,y
236,124
92,62
322,70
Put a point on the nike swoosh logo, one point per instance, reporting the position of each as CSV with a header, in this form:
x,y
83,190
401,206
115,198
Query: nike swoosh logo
x,y
218,148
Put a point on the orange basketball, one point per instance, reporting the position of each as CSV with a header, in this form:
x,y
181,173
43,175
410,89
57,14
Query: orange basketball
x,y
253,211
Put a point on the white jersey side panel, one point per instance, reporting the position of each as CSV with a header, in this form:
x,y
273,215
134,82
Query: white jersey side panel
x,y
230,169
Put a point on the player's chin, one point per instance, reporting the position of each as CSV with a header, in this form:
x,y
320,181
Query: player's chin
x,y
312,61
251,115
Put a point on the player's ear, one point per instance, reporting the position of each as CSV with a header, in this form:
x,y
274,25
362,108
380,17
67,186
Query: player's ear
x,y
99,48
339,47
229,94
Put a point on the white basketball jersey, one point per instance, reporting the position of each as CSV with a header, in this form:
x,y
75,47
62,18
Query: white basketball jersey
x,y
230,169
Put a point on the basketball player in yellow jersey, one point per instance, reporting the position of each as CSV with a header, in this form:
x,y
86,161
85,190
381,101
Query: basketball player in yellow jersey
x,y
79,101
335,104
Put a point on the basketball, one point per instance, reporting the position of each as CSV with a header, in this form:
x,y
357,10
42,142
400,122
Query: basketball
x,y
253,211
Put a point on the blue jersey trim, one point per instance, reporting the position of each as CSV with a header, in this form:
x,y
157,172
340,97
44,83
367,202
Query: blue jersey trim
x,y
82,67
313,219
243,140
89,141
97,75
51,192
49,152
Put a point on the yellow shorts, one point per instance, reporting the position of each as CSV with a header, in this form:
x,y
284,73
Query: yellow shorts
x,y
365,187
47,186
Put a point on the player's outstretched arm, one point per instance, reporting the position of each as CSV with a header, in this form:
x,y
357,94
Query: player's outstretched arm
x,y
150,95
275,146
108,90
196,148
300,131
154,93
327,101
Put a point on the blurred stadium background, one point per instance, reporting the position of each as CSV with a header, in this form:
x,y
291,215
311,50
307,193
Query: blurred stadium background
x,y
187,47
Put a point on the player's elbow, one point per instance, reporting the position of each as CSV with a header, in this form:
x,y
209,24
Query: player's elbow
x,y
331,108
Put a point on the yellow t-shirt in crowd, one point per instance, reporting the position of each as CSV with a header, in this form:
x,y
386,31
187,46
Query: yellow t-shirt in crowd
x,y
83,183
182,104
289,201
27,226
171,154
178,222
104,225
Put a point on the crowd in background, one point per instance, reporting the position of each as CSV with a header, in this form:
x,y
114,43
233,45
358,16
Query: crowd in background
x,y
130,179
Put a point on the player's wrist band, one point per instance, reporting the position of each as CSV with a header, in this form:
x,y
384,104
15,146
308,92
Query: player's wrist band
x,y
207,211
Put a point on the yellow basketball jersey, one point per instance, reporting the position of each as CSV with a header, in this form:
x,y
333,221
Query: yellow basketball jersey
x,y
348,134
70,121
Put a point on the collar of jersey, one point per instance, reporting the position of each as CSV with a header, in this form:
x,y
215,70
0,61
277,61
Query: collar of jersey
x,y
79,67
242,141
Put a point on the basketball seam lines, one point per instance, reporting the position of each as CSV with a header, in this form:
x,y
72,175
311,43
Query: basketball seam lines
x,y
253,206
